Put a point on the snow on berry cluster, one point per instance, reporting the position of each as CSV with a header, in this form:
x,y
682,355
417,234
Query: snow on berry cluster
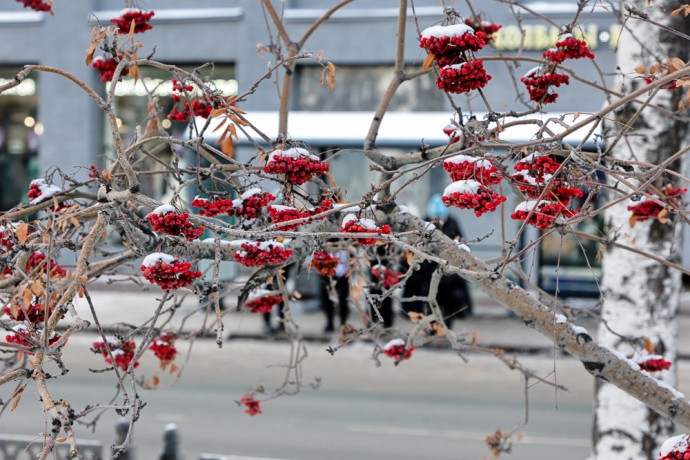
x,y
34,313
648,209
486,27
353,224
164,349
167,271
261,301
38,5
470,194
214,206
452,47
22,335
543,213
253,406
40,191
568,47
463,167
675,448
36,258
260,253
141,20
198,106
122,351
297,164
106,67
280,213
385,276
251,203
540,81
324,263
396,349
166,219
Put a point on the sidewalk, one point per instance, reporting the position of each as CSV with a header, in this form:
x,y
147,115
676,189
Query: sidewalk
x,y
491,324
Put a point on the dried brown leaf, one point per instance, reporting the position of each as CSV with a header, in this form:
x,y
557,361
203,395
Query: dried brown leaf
x,y
218,112
330,78
22,232
428,61
228,147
16,397
641,68
632,221
132,25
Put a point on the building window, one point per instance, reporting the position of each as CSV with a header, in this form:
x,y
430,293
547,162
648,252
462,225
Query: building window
x,y
20,137
360,88
132,106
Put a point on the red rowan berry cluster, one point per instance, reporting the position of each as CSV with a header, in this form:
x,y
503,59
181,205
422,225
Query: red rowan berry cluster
x,y
487,28
568,47
386,276
21,335
463,77
251,203
453,133
7,237
670,86
262,302
297,164
35,260
352,224
164,349
535,173
165,219
253,406
214,207
463,167
40,191
199,107
470,194
141,20
106,67
122,351
324,263
38,5
280,213
260,253
34,313
655,365
396,349
648,209
167,271
544,215
539,82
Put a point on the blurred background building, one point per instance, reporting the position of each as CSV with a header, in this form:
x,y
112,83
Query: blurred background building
x,y
47,121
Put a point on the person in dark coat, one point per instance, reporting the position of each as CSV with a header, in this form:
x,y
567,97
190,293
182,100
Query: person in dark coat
x,y
342,290
453,296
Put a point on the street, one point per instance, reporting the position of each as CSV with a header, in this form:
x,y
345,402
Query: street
x,y
432,406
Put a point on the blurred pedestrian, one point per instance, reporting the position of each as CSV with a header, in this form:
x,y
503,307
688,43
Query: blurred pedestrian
x,y
453,296
341,283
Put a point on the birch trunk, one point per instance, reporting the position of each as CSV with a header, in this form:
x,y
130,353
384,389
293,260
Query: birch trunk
x,y
640,297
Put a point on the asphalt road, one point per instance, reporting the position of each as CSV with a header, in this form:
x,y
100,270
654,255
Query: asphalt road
x,y
433,406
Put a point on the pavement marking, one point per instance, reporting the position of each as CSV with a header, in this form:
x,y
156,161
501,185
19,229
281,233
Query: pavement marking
x,y
402,431
235,457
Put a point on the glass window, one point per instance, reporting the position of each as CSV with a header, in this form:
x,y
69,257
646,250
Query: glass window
x,y
20,137
361,88
132,106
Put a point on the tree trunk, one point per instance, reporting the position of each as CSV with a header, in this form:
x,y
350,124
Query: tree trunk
x,y
640,297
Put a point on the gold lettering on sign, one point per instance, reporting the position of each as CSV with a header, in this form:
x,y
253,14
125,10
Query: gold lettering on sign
x,y
540,37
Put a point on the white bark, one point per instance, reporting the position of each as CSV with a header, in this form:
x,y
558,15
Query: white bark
x,y
640,297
